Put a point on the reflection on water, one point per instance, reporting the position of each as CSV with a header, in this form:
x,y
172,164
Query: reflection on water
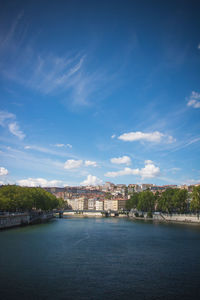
x,y
100,258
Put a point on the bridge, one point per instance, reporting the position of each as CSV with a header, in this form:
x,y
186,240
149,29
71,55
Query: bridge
x,y
103,213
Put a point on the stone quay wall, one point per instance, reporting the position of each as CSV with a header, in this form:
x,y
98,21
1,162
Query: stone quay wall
x,y
17,219
164,217
186,218
13,220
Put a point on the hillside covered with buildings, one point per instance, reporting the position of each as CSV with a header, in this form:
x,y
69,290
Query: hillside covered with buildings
x,y
110,196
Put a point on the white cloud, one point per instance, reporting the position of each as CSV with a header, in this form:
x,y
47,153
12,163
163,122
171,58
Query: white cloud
x,y
69,145
192,181
32,182
53,74
89,163
46,150
149,171
59,145
186,144
72,164
14,129
125,171
194,100
121,160
155,137
30,161
175,169
63,145
3,171
5,116
91,180
113,136
148,161
138,135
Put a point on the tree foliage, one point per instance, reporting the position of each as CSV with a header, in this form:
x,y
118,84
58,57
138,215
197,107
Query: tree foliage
x,y
195,203
17,198
171,200
146,201
133,201
108,195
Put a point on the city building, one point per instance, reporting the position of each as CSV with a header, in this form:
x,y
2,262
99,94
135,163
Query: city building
x,y
92,203
99,205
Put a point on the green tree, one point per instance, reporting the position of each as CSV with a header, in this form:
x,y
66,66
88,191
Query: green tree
x,y
195,202
146,201
133,201
165,202
180,200
173,200
108,195
17,198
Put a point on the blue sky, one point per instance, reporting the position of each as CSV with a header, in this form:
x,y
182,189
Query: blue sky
x,y
95,91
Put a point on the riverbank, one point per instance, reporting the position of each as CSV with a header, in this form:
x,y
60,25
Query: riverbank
x,y
23,219
156,216
171,218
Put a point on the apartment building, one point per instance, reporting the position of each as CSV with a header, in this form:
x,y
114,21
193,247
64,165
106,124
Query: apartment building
x,y
99,205
121,204
134,187
92,203
78,203
110,204
145,186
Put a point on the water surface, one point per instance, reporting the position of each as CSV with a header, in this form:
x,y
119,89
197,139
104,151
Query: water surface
x,y
100,258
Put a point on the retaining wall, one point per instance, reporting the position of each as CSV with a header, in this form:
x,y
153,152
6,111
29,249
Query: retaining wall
x,y
13,220
188,218
7,221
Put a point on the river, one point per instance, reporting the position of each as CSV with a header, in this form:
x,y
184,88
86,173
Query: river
x,y
100,258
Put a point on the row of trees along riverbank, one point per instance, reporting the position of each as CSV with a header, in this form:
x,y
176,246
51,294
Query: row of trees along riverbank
x,y
17,198
171,200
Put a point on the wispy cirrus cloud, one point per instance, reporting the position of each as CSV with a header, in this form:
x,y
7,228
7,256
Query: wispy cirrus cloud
x,y
5,116
194,100
31,161
8,120
50,74
184,144
50,151
14,129
154,137
55,75
63,145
